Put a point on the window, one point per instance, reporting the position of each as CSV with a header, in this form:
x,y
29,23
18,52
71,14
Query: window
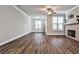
x,y
58,23
38,24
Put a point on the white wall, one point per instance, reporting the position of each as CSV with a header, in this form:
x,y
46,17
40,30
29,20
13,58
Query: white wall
x,y
13,23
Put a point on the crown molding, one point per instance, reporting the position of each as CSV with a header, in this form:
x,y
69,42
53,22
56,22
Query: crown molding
x,y
72,9
20,10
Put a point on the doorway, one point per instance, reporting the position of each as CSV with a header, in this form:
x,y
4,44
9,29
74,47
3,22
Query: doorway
x,y
38,25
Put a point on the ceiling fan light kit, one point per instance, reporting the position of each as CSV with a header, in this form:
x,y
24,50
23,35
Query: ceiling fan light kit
x,y
49,11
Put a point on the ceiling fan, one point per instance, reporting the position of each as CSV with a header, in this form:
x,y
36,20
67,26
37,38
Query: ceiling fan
x,y
48,11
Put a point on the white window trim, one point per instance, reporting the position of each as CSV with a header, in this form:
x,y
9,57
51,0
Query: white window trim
x,y
58,23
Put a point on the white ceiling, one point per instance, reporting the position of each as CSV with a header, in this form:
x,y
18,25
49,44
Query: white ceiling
x,y
33,10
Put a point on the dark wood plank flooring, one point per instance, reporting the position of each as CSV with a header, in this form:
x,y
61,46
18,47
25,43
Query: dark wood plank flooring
x,y
39,43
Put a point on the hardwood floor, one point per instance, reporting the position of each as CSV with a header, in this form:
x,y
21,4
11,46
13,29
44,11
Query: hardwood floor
x,y
39,43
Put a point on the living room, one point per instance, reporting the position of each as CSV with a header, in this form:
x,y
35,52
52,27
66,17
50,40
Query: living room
x,y
39,29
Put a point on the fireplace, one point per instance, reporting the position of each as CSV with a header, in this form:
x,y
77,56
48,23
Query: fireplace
x,y
71,33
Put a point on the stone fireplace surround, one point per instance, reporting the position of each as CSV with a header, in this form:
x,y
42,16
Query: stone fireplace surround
x,y
72,27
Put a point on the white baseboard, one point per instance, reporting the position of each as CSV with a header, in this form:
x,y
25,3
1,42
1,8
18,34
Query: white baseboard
x,y
5,42
54,34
